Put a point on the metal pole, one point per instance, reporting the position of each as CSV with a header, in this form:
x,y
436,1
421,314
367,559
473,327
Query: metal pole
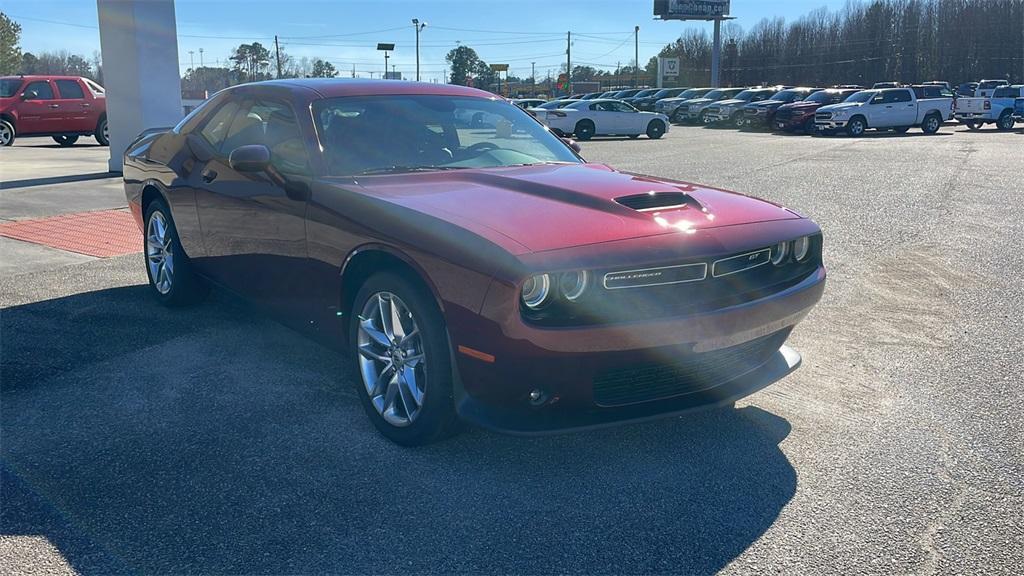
x,y
533,79
568,62
277,50
416,25
636,55
716,55
384,76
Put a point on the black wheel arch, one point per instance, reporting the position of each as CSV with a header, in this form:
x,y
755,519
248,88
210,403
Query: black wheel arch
x,y
369,259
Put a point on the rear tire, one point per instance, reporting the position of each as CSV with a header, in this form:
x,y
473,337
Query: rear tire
x,y
656,129
416,405
1005,122
169,270
931,124
102,133
7,133
66,139
584,130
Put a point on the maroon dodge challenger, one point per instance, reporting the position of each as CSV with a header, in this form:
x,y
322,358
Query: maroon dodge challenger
x,y
471,262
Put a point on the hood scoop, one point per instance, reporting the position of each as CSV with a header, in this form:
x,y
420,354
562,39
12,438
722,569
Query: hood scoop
x,y
653,201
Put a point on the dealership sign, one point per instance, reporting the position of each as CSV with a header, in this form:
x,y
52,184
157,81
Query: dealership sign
x,y
670,66
691,9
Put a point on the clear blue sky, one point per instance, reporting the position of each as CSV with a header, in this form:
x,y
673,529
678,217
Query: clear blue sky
x,y
345,32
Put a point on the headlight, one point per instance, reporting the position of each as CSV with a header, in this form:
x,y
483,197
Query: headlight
x,y
573,284
536,290
779,253
801,248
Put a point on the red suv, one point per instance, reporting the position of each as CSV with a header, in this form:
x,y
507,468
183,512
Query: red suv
x,y
63,107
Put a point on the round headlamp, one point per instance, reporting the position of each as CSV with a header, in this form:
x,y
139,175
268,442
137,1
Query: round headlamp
x,y
779,253
801,248
573,284
536,290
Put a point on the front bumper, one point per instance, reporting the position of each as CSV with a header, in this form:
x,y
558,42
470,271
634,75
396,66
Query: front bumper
x,y
832,124
566,365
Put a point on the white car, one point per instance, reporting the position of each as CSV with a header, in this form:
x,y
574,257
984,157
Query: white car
x,y
588,118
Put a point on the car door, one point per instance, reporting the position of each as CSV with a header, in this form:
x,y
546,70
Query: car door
x,y
41,114
253,227
901,107
627,119
76,112
602,113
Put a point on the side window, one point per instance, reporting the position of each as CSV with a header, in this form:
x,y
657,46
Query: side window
x,y
598,106
216,128
70,89
896,96
274,125
622,107
42,88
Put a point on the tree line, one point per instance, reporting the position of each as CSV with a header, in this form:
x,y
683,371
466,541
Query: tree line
x,y
865,42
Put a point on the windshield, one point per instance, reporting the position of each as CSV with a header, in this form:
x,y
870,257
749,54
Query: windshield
x,y
405,133
694,93
746,95
626,93
646,93
864,96
665,93
823,97
9,87
554,104
716,95
988,84
788,96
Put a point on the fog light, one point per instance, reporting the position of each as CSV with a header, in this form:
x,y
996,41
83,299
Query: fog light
x,y
538,397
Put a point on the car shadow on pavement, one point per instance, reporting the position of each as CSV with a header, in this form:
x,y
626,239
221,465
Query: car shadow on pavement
x,y
215,440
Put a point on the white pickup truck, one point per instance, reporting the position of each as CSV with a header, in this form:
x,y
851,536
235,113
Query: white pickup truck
x,y
976,112
895,109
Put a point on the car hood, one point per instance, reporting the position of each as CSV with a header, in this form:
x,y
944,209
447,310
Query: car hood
x,y
554,206
733,102
699,101
802,106
766,104
841,107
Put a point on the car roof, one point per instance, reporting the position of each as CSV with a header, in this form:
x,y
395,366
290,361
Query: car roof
x,y
338,87
41,77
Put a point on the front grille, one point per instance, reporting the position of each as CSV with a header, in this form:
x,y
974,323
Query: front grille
x,y
783,115
750,112
713,111
691,373
823,116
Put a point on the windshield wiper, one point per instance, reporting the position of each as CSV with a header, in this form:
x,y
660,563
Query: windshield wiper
x,y
400,169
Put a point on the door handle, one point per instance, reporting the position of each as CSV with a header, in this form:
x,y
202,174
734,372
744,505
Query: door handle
x,y
86,105
888,106
54,105
208,175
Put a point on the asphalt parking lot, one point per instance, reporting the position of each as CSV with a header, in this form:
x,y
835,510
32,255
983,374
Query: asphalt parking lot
x,y
215,440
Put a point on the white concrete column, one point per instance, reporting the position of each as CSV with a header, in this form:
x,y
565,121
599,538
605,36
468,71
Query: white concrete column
x,y
140,69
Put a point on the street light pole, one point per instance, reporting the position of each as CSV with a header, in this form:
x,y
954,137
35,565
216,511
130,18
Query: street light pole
x,y
636,62
418,26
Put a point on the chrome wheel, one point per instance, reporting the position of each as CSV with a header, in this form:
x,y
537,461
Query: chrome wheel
x,y
159,255
6,134
392,361
106,131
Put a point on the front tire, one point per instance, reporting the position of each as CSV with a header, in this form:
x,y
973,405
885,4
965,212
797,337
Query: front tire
x,y
7,133
400,347
855,127
656,129
66,139
169,270
584,130
102,133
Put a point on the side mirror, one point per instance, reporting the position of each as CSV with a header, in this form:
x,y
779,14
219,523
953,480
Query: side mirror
x,y
250,158
30,95
572,144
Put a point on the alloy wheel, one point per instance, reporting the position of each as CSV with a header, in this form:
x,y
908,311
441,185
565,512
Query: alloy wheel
x,y
392,360
932,125
5,134
159,254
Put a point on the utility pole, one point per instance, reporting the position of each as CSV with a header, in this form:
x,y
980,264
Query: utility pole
x,y
416,24
636,52
568,62
277,51
353,70
201,58
716,55
191,61
533,78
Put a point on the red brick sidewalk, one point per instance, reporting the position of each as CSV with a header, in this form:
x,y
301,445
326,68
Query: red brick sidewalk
x,y
102,234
